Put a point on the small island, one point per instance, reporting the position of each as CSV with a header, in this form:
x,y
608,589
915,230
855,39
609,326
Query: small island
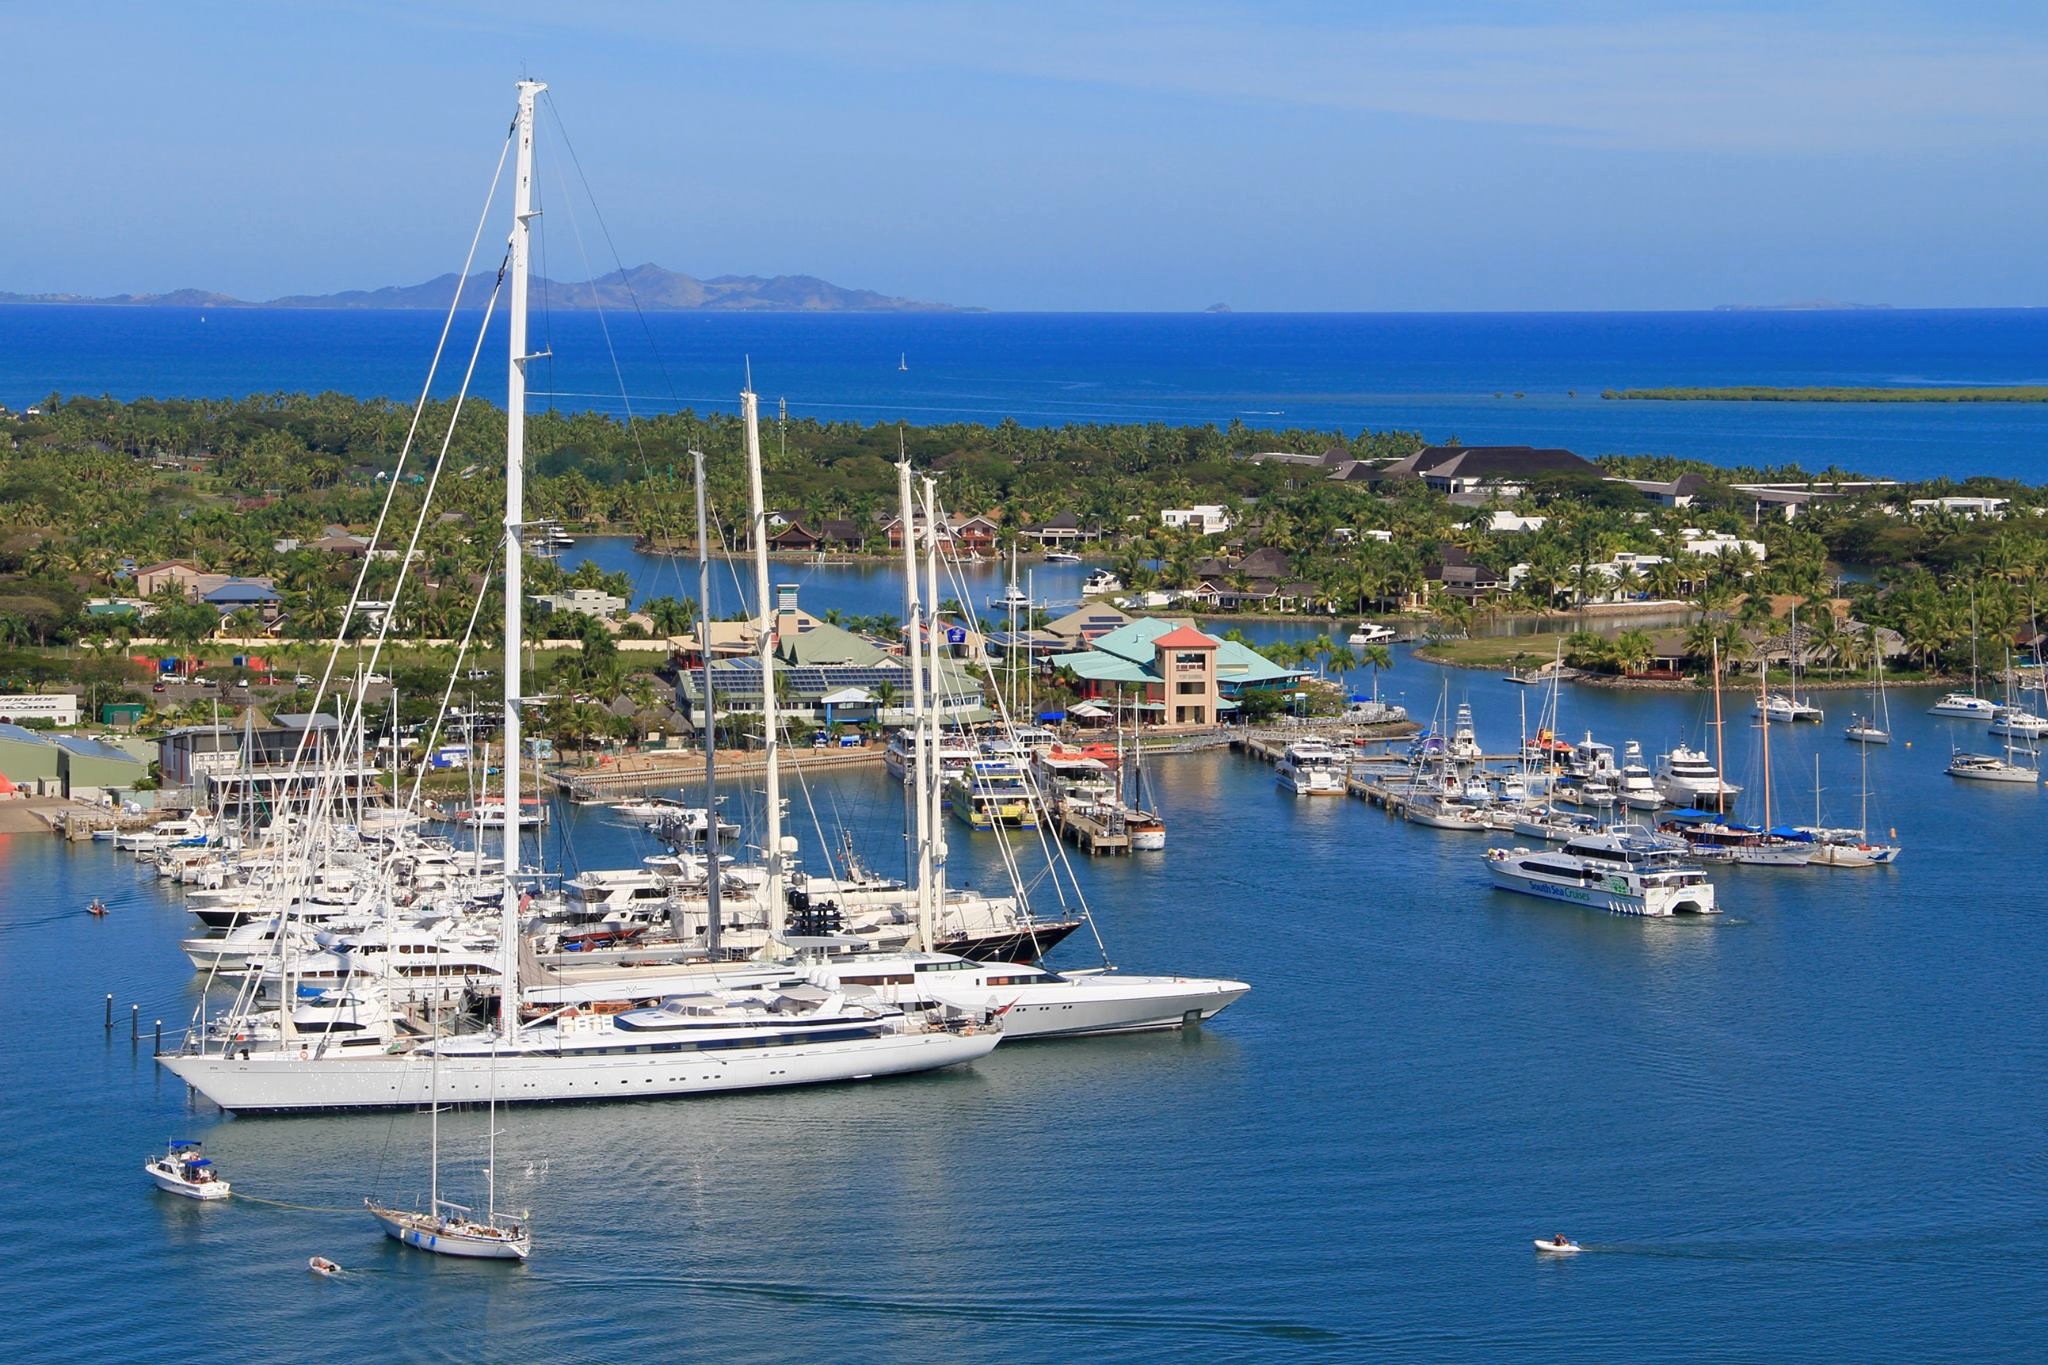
x,y
1761,393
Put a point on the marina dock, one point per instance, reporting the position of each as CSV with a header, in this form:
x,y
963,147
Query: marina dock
x,y
1090,833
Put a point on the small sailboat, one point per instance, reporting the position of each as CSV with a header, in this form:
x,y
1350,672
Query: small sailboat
x,y
450,1229
182,1170
1877,727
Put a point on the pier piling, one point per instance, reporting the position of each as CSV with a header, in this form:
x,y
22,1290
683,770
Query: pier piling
x,y
135,1023
159,1036
110,1014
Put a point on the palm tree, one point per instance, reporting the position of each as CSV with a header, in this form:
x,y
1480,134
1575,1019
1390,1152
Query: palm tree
x,y
1632,651
1378,658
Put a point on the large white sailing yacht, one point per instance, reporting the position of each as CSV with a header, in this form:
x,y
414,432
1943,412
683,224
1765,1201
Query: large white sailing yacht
x,y
724,1040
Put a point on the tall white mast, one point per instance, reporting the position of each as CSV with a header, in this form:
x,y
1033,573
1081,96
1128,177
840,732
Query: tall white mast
x,y
935,898
924,760
714,876
523,214
771,724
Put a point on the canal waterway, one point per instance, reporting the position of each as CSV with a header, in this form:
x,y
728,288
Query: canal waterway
x,y
1811,1128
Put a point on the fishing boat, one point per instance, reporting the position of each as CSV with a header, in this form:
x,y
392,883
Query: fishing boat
x,y
1621,870
183,1171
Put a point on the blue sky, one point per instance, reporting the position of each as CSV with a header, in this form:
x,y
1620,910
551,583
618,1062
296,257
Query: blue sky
x,y
1376,156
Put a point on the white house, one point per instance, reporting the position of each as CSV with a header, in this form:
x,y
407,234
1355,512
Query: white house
x,y
1504,522
1697,542
1972,509
588,601
1206,519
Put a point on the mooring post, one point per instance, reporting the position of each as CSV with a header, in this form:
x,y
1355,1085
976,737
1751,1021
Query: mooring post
x,y
159,1036
135,1023
110,1014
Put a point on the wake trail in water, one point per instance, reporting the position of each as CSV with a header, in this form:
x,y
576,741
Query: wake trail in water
x,y
955,1309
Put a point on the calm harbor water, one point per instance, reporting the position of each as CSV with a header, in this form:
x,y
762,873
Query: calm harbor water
x,y
1808,1129
1532,377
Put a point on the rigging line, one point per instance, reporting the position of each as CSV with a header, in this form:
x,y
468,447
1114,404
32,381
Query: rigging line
x,y
448,693
598,213
603,321
412,431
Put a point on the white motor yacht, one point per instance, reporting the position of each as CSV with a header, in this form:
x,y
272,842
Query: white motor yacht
x,y
2018,722
1310,767
1635,784
181,1170
1968,705
1688,777
1624,872
1100,583
1371,633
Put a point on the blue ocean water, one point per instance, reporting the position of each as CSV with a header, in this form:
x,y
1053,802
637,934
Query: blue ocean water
x,y
1808,1130
1443,375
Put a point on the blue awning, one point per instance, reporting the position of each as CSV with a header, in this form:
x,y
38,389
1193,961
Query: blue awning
x,y
1052,715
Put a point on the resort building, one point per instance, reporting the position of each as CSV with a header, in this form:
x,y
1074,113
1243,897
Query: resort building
x,y
58,708
1171,674
1970,509
1506,470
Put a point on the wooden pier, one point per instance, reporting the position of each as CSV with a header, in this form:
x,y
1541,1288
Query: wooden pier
x,y
1091,833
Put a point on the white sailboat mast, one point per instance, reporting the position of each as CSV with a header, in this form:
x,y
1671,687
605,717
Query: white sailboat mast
x,y
523,214
714,875
924,759
936,898
764,636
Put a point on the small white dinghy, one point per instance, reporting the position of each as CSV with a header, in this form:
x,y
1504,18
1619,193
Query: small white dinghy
x,y
1560,1245
183,1171
320,1265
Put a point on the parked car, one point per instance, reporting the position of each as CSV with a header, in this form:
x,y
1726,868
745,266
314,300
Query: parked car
x,y
203,682
375,678
159,687
302,680
478,675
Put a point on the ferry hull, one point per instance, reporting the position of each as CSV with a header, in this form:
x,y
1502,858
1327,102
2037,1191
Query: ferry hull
x,y
1595,898
282,1084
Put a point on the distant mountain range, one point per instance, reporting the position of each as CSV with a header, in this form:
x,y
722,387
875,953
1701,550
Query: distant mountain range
x,y
1803,306
650,286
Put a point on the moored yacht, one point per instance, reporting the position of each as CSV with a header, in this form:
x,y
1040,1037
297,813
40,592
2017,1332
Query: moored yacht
x,y
1635,785
1688,777
1968,705
1310,767
1622,871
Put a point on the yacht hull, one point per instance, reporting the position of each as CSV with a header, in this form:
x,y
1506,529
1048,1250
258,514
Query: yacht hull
x,y
418,1230
282,1084
1110,1003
